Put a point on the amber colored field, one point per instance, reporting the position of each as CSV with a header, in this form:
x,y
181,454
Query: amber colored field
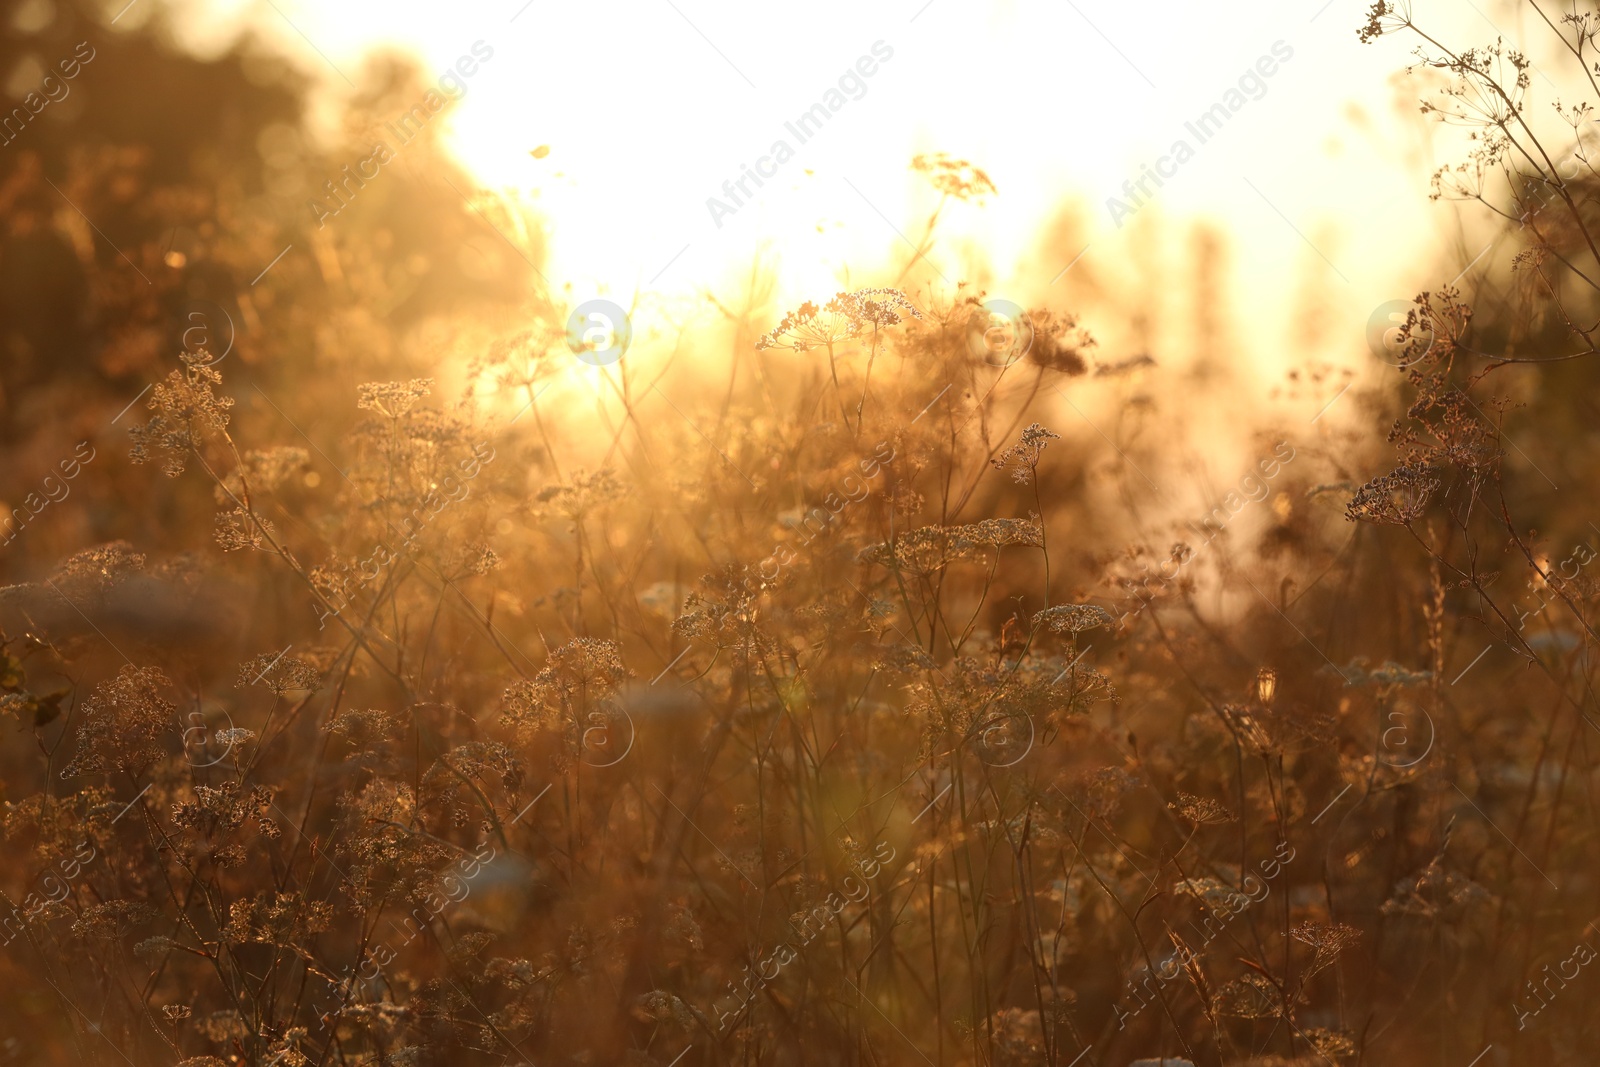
x,y
388,677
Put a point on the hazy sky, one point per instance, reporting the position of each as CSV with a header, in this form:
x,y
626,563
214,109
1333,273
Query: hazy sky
x,y
649,106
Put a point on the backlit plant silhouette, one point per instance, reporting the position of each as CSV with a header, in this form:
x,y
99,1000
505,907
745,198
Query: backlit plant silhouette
x,y
425,695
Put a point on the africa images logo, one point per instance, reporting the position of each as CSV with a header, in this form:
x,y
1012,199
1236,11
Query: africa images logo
x,y
804,127
452,87
1204,128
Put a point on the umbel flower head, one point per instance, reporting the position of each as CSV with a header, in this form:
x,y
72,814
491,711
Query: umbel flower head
x,y
1327,940
1022,458
584,672
186,413
585,492
1073,618
954,177
846,316
727,614
1382,18
240,529
930,548
1396,499
279,672
96,570
393,399
122,720
1201,811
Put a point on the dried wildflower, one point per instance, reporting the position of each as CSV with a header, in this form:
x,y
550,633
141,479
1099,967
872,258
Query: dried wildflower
x,y
1202,811
877,308
112,920
365,728
1436,894
986,703
98,569
1073,618
1022,458
727,616
903,659
523,359
14,704
1396,499
393,399
61,824
582,493
234,737
173,1012
1333,1044
240,529
221,806
277,918
187,414
152,949
588,662
1018,1038
659,1006
1327,940
843,318
122,720
469,947
1390,674
484,762
479,559
286,1049
1383,18
1250,997
279,672
998,533
382,800
1059,344
953,177
930,548
228,856
585,672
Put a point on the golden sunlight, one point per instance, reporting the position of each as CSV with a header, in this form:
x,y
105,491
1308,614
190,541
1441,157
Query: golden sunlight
x,y
683,533
635,146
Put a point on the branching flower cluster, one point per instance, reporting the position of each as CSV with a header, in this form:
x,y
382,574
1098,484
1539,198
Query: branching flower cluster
x,y
844,318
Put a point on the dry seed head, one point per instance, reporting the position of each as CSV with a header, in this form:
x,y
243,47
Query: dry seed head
x,y
1395,499
393,399
846,316
1073,618
1202,811
1022,458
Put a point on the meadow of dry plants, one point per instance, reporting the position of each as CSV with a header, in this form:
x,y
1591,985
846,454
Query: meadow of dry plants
x,y
381,682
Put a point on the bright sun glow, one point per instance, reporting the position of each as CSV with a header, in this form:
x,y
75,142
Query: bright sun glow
x,y
677,533
643,184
